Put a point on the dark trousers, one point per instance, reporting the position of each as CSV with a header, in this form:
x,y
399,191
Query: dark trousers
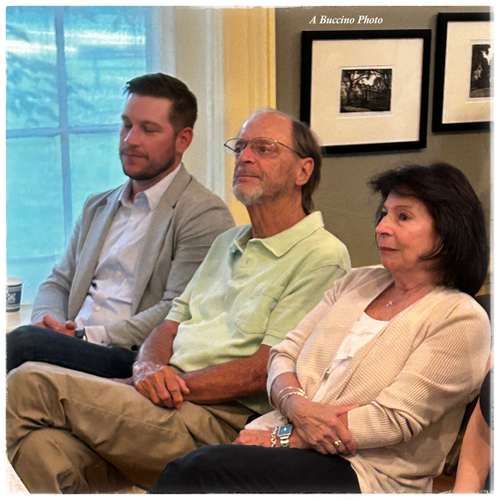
x,y
256,469
34,343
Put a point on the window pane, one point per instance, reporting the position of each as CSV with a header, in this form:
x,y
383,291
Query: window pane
x,y
95,167
31,68
35,219
104,48
33,272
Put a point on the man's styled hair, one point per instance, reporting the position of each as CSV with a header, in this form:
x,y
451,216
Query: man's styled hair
x,y
184,110
462,261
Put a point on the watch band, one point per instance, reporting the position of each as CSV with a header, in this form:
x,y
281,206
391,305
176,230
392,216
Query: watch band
x,y
80,334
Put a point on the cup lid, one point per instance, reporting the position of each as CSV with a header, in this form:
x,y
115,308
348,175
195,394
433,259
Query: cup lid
x,y
14,281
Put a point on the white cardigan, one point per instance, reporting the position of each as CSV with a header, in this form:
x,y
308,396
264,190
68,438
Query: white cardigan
x,y
413,380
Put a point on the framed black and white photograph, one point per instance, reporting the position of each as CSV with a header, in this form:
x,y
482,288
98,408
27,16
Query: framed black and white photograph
x,y
364,91
481,76
463,83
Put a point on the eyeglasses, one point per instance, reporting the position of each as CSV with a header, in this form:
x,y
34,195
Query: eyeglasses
x,y
261,146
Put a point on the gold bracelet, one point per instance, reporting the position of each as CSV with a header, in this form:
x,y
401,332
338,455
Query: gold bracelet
x,y
294,389
286,389
280,393
287,395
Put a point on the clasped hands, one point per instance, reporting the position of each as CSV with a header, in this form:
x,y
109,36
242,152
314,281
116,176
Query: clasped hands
x,y
316,426
68,327
159,383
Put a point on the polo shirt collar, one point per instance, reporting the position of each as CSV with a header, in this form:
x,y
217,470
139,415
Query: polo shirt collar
x,y
242,238
279,244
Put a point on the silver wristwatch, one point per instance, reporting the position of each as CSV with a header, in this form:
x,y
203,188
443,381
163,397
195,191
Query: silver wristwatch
x,y
284,433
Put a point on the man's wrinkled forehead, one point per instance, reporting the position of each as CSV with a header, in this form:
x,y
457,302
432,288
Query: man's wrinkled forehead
x,y
267,124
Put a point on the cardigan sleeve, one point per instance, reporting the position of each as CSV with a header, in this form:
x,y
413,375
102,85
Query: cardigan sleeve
x,y
443,371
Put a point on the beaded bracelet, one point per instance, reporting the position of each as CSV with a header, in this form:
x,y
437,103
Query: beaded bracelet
x,y
274,437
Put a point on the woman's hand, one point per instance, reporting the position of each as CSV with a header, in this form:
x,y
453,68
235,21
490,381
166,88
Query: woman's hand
x,y
321,426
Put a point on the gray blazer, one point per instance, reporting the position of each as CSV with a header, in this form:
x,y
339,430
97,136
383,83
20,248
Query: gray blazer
x,y
185,223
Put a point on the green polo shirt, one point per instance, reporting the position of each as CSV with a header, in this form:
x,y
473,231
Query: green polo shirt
x,y
251,291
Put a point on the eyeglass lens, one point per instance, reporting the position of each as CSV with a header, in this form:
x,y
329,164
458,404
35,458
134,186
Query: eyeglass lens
x,y
259,145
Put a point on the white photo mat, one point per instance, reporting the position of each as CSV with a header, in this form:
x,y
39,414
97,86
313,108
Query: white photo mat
x,y
458,107
401,124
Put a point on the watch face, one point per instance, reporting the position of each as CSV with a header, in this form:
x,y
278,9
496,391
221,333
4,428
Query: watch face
x,y
285,430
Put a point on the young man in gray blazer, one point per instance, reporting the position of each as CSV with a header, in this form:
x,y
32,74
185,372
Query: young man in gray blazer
x,y
134,249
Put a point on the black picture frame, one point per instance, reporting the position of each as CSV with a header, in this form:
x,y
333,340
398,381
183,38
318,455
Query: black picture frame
x,y
371,50
466,114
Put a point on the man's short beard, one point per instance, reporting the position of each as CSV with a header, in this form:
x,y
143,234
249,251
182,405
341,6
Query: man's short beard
x,y
246,198
151,171
257,194
151,174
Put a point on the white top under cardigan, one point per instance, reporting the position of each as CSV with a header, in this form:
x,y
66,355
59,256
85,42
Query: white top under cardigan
x,y
362,331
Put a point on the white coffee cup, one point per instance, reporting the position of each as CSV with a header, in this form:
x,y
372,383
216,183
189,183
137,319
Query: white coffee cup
x,y
14,287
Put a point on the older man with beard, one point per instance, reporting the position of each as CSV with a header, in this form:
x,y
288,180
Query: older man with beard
x,y
134,248
201,375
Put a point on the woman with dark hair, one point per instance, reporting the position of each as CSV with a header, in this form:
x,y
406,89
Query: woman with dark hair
x,y
462,260
371,387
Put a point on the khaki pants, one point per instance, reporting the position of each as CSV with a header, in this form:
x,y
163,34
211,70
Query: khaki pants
x,y
70,432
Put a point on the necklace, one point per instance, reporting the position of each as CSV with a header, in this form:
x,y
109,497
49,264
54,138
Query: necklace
x,y
390,303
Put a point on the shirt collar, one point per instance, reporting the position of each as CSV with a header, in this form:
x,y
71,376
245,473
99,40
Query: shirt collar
x,y
153,194
242,238
280,243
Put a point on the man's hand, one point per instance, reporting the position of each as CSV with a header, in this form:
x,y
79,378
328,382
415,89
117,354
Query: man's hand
x,y
159,383
51,323
263,438
321,426
253,437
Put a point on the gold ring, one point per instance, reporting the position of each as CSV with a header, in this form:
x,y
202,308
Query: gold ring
x,y
337,443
